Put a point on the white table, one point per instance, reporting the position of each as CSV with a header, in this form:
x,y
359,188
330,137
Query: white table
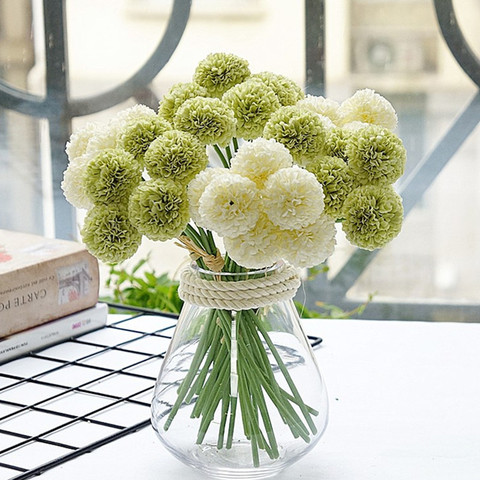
x,y
404,405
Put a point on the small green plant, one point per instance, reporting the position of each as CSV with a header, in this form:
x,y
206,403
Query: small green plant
x,y
143,289
326,310
160,292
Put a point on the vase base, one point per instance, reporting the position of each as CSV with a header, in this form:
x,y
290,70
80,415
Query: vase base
x,y
231,464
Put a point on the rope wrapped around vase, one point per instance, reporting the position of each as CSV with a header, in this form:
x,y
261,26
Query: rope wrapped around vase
x,y
277,285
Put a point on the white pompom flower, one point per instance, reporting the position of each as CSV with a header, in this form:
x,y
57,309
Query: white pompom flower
x,y
292,198
321,105
257,248
229,205
309,246
258,159
77,145
197,186
369,107
73,184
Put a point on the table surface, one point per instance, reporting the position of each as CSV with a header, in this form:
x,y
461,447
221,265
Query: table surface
x,y
404,404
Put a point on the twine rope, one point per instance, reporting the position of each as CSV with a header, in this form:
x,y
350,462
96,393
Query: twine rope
x,y
279,285
214,262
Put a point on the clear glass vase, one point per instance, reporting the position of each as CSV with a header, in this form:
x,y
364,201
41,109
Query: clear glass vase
x,y
239,394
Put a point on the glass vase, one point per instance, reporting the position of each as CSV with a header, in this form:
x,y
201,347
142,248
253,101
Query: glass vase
x,y
239,394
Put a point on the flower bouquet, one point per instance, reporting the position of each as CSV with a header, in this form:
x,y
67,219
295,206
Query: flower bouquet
x,y
251,177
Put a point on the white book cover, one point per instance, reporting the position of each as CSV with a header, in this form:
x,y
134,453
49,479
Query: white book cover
x,y
53,332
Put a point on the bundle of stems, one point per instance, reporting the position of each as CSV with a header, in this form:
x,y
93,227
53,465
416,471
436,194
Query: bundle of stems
x,y
233,369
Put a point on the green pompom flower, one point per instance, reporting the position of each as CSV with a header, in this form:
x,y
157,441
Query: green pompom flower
x,y
301,131
336,143
137,136
175,97
253,103
111,176
209,119
177,156
219,72
287,91
337,181
159,209
109,235
372,216
376,156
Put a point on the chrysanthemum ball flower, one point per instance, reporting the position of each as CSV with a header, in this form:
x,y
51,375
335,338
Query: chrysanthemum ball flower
x,y
111,176
176,96
177,156
336,143
372,216
321,106
219,72
301,131
197,186
375,156
229,205
209,119
77,145
292,198
257,248
287,91
369,107
258,159
137,135
159,209
109,235
252,102
73,184
336,180
308,246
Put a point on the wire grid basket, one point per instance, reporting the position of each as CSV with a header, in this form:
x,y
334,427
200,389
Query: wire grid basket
x,y
63,401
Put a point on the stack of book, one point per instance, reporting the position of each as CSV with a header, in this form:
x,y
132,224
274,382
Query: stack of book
x,y
48,293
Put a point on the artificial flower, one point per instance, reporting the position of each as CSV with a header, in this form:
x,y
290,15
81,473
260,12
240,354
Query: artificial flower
x,y
375,156
196,188
209,119
176,96
229,205
322,106
159,209
73,184
369,107
219,72
258,159
372,216
257,247
308,246
336,143
252,102
109,235
111,175
292,198
77,145
336,180
287,91
137,136
177,156
301,131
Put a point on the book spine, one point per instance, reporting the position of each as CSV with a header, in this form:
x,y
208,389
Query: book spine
x,y
48,290
53,332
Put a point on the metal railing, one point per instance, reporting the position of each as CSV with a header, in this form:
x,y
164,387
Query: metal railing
x,y
59,109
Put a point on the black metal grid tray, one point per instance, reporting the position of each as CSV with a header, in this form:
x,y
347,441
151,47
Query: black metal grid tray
x,y
69,399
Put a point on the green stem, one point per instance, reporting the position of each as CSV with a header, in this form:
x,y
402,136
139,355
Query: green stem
x,y
221,156
235,144
286,375
200,353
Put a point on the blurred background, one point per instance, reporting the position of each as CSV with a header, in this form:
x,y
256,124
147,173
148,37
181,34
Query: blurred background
x,y
332,47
